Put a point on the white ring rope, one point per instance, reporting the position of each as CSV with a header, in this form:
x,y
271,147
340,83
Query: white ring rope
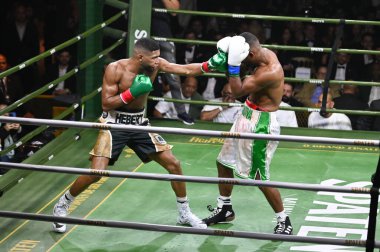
x,y
224,134
184,230
197,179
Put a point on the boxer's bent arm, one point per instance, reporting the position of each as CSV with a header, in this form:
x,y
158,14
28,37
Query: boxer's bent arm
x,y
193,69
252,83
110,89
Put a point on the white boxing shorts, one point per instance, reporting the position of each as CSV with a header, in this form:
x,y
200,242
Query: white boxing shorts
x,y
250,158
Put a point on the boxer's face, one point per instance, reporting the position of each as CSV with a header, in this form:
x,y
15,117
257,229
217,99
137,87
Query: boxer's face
x,y
149,61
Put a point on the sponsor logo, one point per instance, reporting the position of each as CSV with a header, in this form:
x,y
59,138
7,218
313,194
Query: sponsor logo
x,y
223,233
228,213
128,119
140,34
160,139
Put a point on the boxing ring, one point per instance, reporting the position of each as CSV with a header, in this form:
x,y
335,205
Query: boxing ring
x,y
325,186
130,200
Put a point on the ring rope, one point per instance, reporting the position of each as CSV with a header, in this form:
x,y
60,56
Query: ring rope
x,y
279,47
197,132
117,4
313,81
61,46
40,129
334,82
184,178
343,111
268,17
52,84
114,33
184,230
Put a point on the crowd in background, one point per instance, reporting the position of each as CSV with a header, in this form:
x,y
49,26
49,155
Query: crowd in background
x,y
299,64
28,28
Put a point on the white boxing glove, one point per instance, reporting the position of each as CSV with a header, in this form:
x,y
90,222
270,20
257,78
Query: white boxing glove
x,y
223,44
238,50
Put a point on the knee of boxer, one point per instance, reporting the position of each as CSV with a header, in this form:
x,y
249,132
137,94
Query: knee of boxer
x,y
174,167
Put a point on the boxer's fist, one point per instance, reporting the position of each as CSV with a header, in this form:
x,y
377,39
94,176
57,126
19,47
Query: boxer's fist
x,y
238,50
140,85
217,63
223,44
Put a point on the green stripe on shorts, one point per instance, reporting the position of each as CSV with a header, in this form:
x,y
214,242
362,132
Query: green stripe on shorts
x,y
259,147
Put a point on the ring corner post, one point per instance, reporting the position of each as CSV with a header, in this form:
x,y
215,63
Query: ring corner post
x,y
140,13
91,13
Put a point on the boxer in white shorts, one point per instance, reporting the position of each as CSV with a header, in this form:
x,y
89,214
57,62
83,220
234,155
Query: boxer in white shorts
x,y
262,81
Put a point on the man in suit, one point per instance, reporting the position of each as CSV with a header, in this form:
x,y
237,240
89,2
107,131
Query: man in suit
x,y
363,64
20,41
10,87
342,68
60,68
188,92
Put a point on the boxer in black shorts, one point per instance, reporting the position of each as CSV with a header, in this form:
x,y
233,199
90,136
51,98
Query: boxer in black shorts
x,y
125,89
110,143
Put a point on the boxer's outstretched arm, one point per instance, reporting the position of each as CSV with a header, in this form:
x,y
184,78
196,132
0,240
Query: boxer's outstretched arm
x,y
193,69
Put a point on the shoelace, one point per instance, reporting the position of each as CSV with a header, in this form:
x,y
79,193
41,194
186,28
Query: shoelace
x,y
62,205
280,227
214,211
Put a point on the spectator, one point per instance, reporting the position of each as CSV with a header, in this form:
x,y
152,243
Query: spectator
x,y
310,92
330,120
60,68
8,134
285,56
363,64
222,114
196,25
189,53
342,68
184,19
21,43
10,87
288,96
189,92
286,118
375,90
309,40
353,37
349,100
161,27
211,87
370,122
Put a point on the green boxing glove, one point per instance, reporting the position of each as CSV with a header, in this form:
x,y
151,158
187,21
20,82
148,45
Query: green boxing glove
x,y
217,63
140,85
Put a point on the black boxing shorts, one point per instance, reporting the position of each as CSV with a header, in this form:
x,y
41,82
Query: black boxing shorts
x,y
110,143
